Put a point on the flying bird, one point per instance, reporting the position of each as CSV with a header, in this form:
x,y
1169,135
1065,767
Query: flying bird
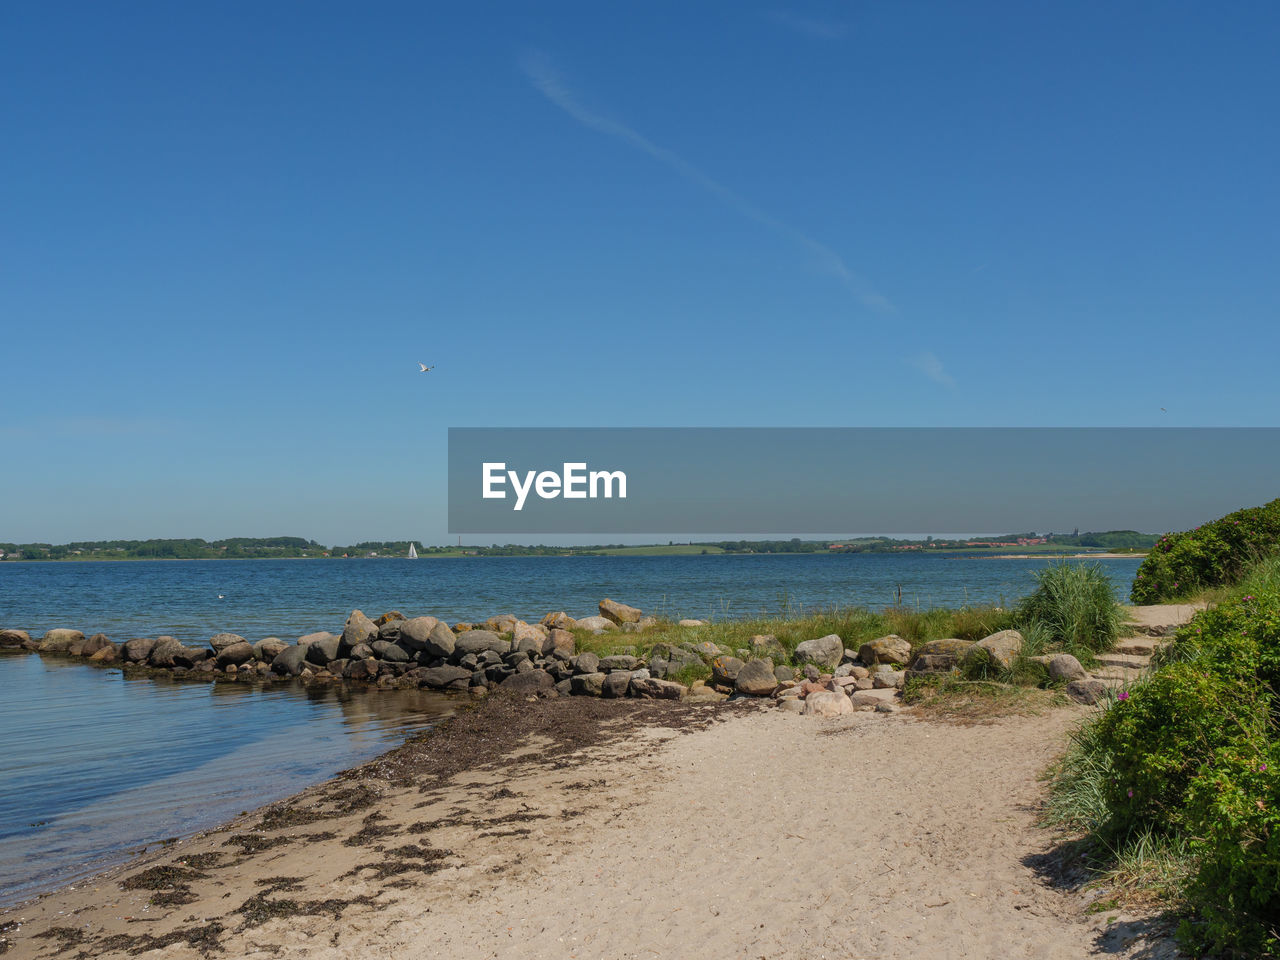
x,y
1163,410
424,368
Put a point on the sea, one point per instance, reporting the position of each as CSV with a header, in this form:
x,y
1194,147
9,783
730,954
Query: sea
x,y
96,766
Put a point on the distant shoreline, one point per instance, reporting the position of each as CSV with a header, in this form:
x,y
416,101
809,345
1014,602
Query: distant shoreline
x,y
951,554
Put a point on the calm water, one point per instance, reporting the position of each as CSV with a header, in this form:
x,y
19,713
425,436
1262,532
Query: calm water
x,y
95,765
287,598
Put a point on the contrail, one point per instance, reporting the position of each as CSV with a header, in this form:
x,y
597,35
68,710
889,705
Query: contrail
x,y
538,68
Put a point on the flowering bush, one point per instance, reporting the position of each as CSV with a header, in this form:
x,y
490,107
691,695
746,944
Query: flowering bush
x,y
1212,555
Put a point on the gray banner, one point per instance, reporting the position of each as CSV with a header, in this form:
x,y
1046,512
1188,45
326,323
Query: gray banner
x,y
771,480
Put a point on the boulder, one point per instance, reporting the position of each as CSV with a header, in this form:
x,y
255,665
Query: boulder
x,y
1088,691
428,635
108,654
478,641
561,641
439,677
234,654
359,629
784,673
310,638
320,652
588,684
616,684
596,624
14,638
619,613
827,704
654,689
756,678
527,638
501,623
220,641
361,651
558,621
95,643
190,657
824,651
999,650
618,662
359,670
943,654
706,650
59,640
1065,667
391,652
586,662
531,683
268,648
390,630
766,645
891,649
687,622
724,670
164,651
391,616
869,699
889,679
137,650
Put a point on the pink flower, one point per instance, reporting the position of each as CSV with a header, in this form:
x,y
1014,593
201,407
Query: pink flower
x,y
1122,695
1131,793
1262,768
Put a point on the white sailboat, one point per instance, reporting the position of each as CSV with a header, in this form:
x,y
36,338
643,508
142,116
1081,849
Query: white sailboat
x,y
413,552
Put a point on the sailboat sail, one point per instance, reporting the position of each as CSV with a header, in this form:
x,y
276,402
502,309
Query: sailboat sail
x,y
413,552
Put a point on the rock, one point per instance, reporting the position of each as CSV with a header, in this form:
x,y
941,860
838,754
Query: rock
x,y
766,645
389,617
791,705
616,683
891,649
268,648
502,623
478,641
889,680
1088,691
108,654
359,629
811,672
361,651
137,650
647,623
886,706
943,654
871,698
220,641
95,643
827,703
618,662
428,635
844,670
756,678
439,677
190,657
14,638
320,652
389,630
60,640
525,637
596,624
724,670
558,621
654,689
999,650
310,638
588,684
234,654
824,651
163,652
691,623
619,613
1065,667
561,641
586,662
783,673
362,670
392,652
706,650
531,683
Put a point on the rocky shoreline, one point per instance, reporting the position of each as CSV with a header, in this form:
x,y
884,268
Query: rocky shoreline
x,y
821,676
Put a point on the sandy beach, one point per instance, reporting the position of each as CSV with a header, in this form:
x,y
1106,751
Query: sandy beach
x,y
589,828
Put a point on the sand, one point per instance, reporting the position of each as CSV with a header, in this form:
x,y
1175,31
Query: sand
x,y
616,829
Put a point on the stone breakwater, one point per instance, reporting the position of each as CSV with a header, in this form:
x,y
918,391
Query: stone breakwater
x,y
822,676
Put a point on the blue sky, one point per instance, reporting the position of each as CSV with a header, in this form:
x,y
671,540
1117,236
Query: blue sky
x,y
230,231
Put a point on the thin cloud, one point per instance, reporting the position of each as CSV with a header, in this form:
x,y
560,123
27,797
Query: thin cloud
x,y
809,26
931,367
543,75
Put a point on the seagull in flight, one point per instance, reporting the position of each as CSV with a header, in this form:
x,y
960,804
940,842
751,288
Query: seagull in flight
x,y
424,368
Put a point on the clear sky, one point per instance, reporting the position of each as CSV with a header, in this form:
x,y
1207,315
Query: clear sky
x,y
230,230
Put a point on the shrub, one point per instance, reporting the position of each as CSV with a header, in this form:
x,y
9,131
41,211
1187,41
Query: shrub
x,y
1212,555
1075,604
1160,732
1234,812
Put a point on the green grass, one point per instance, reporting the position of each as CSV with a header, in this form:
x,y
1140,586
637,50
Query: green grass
x,y
1075,604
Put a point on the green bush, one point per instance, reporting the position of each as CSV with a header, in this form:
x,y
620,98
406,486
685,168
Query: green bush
x,y
1234,813
1212,555
1159,733
1075,604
